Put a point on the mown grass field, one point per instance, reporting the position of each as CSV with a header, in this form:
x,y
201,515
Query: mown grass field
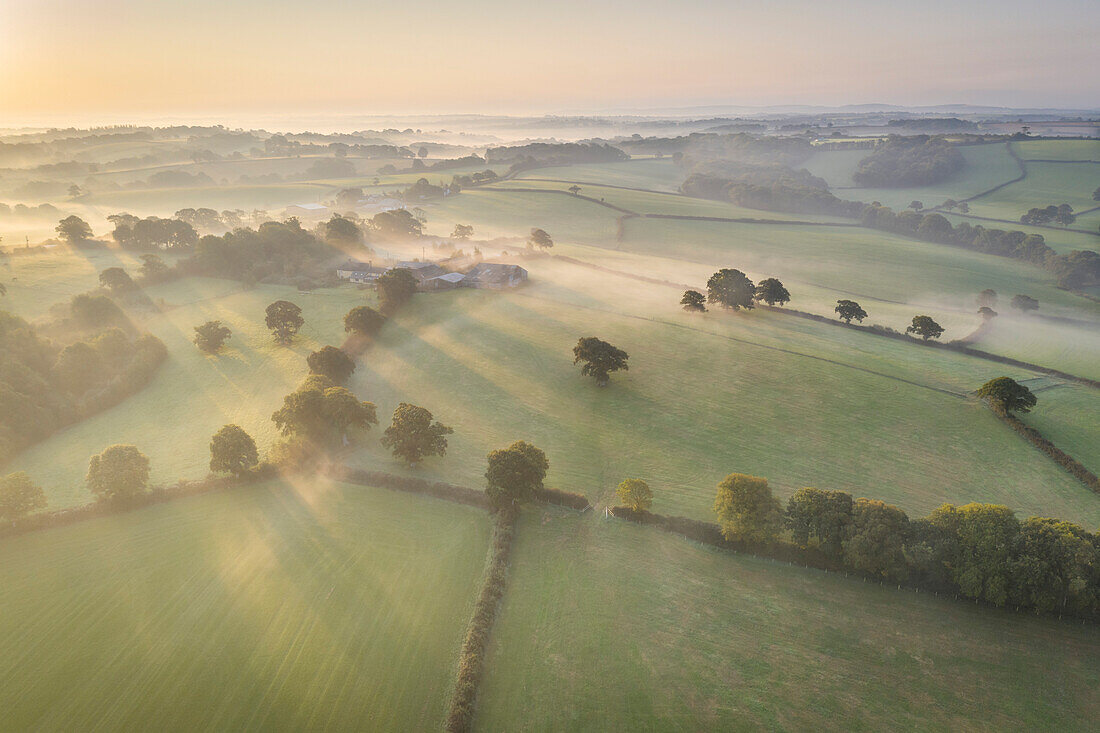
x,y
1046,184
37,281
288,606
1072,347
649,631
1069,416
659,174
767,394
1058,149
193,395
986,166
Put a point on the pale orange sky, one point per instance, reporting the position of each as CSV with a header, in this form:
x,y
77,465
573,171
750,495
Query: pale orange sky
x,y
88,58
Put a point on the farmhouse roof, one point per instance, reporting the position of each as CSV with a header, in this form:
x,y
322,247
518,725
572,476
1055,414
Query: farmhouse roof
x,y
451,277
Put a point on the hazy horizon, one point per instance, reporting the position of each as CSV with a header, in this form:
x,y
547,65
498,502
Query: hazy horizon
x,y
120,60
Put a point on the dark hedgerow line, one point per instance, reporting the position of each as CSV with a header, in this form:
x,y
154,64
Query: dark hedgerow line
x,y
471,662
1063,459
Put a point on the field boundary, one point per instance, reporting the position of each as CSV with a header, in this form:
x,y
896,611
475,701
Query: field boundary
x,y
1072,466
471,661
708,533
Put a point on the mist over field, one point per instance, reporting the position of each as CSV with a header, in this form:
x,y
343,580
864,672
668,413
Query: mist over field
x,y
576,367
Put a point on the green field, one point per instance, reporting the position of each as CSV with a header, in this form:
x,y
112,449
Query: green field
x,y
193,395
291,606
986,166
1046,184
659,174
1069,416
640,630
1058,149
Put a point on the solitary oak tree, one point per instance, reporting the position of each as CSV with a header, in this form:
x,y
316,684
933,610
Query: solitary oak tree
x,y
600,359
1006,395
363,320
849,309
1024,303
462,232
210,336
539,238
515,473
285,320
74,230
116,280
413,435
771,291
730,289
19,496
746,508
331,362
118,473
925,327
693,300
395,288
232,450
636,494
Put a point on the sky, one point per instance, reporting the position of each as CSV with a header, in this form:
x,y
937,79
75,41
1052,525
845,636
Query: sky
x,y
135,59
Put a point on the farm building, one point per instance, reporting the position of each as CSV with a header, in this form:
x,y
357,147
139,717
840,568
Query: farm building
x,y
450,281
422,270
306,211
359,272
495,275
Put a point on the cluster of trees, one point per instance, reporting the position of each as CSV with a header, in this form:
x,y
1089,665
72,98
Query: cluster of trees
x,y
45,385
732,289
152,232
554,154
274,252
1077,269
980,551
474,179
539,238
770,188
918,160
1062,215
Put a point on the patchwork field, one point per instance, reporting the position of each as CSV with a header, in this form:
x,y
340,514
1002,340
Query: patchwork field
x,y
293,606
650,631
1046,184
1069,416
761,393
193,395
986,166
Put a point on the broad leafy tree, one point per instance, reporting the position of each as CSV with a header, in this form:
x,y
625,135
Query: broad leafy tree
x,y
19,496
746,509
153,267
211,336
876,538
847,310
74,230
364,320
731,289
983,538
118,473
636,494
413,435
771,291
925,327
987,313
395,288
331,362
987,298
116,280
232,450
695,301
822,515
1006,395
1024,303
539,238
462,232
340,230
285,320
515,473
600,359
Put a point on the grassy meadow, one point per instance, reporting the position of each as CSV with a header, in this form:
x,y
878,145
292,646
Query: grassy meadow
x,y
193,394
299,605
645,630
